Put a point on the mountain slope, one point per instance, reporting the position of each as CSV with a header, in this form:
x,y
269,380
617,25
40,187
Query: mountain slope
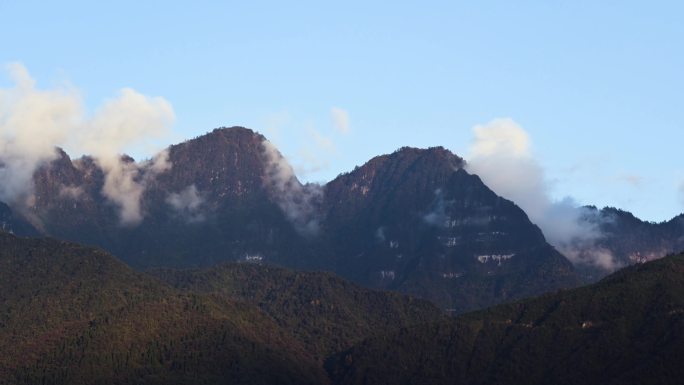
x,y
325,312
417,222
73,315
626,329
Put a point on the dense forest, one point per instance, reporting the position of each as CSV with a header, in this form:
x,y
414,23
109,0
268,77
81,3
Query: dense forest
x,y
76,315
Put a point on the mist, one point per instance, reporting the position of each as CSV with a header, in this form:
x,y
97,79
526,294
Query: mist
x,y
437,215
34,121
298,202
188,204
501,154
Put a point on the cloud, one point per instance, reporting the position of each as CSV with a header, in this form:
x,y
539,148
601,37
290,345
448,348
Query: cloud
x,y
31,123
681,192
129,120
340,120
501,154
500,137
72,192
380,234
314,157
298,202
187,203
437,215
631,179
34,121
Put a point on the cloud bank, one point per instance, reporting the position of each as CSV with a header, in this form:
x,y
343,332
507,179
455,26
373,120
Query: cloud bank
x,y
501,154
34,121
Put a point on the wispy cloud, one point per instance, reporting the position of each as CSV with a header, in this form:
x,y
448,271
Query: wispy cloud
x,y
340,118
633,180
297,201
187,203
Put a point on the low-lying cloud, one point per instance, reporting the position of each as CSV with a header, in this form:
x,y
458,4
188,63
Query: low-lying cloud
x,y
437,215
298,202
501,155
188,204
33,122
71,192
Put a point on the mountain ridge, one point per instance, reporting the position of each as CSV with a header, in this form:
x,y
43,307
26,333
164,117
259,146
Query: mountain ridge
x,y
414,221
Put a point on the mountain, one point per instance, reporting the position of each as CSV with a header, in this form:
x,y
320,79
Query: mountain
x,y
74,315
327,313
626,329
413,221
628,239
417,222
213,205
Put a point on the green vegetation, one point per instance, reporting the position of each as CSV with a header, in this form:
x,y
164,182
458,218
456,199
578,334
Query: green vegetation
x,y
76,315
326,313
626,329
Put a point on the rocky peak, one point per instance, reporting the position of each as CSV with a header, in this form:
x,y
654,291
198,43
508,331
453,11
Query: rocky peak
x,y
227,162
407,178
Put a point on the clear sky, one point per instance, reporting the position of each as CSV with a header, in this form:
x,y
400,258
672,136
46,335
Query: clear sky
x,y
597,85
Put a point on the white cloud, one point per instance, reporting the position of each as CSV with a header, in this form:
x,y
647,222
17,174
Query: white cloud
x,y
297,201
502,138
129,120
340,119
187,203
501,154
33,121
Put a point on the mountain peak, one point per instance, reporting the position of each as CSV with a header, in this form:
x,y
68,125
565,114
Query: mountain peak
x,y
427,168
225,157
230,133
437,155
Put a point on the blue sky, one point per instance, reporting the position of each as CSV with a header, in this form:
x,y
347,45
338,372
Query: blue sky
x,y
597,85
